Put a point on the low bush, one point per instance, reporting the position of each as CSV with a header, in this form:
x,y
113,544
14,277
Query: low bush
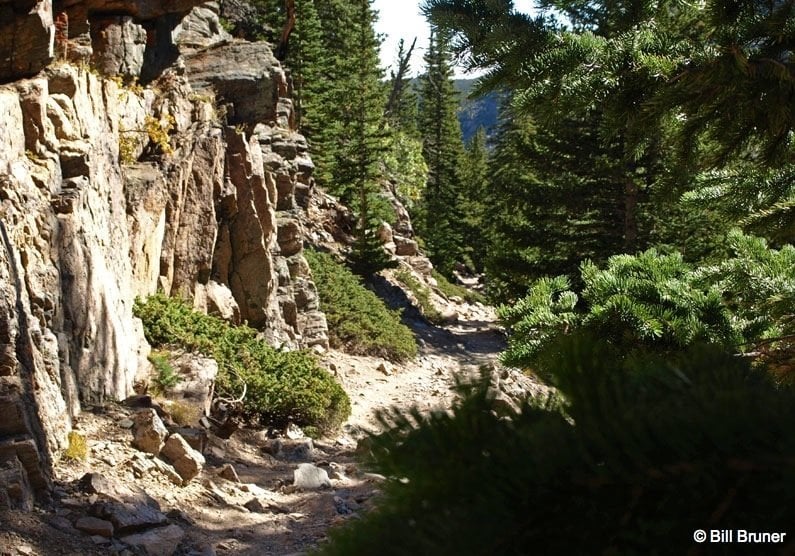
x,y
422,293
281,387
166,377
78,447
657,302
358,320
454,290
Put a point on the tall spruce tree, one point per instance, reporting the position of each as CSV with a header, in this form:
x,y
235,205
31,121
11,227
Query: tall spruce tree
x,y
363,140
441,218
475,199
307,58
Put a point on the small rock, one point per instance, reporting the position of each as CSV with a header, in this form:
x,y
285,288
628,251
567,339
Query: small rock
x,y
95,526
253,489
100,540
337,471
196,438
341,506
179,515
149,432
73,503
294,432
95,483
162,541
384,369
137,511
167,470
291,450
228,472
187,461
310,477
126,423
255,505
25,550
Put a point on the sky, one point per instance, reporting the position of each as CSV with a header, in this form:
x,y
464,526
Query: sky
x,y
402,19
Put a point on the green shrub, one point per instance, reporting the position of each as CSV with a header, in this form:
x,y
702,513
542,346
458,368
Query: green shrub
x,y
648,302
358,320
422,293
280,386
657,302
454,290
166,378
641,453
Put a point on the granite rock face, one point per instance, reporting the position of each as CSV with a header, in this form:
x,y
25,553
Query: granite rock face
x,y
110,191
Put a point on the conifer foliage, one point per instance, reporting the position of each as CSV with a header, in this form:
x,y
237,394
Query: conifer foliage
x,y
631,458
441,220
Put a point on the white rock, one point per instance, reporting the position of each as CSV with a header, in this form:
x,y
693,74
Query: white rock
x,y
310,477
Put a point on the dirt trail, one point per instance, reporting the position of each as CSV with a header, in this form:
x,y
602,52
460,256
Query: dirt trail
x,y
212,511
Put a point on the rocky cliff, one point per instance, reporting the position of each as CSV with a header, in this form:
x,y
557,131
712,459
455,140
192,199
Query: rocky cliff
x,y
141,149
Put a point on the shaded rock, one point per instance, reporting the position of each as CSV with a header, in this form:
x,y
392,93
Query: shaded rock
x,y
310,477
228,472
162,541
289,236
118,46
26,38
405,247
95,526
129,513
196,438
301,449
246,75
149,433
261,506
15,490
187,461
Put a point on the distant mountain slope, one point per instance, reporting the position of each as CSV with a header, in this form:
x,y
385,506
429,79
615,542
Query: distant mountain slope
x,y
473,113
476,112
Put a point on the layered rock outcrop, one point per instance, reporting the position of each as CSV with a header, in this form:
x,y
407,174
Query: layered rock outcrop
x,y
194,186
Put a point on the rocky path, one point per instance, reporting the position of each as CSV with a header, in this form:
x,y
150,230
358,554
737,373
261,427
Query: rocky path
x,y
260,512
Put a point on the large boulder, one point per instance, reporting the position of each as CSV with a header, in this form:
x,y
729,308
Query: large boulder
x,y
27,37
244,75
118,46
149,432
187,461
197,382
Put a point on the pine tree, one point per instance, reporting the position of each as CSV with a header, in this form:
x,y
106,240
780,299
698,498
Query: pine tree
x,y
441,218
401,107
308,62
362,141
475,199
558,197
405,166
